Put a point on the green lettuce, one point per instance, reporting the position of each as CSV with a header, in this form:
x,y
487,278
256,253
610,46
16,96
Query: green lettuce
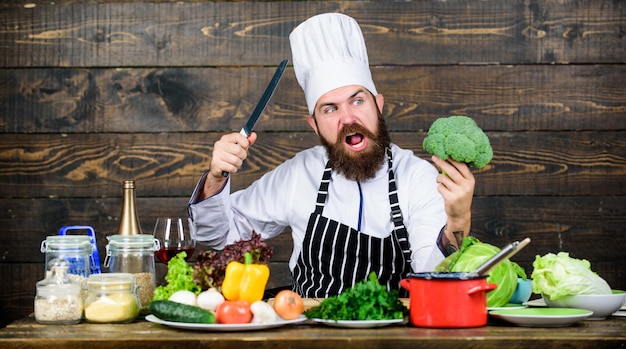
x,y
556,276
179,277
471,255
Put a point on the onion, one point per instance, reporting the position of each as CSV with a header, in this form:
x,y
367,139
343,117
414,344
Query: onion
x,y
184,297
210,299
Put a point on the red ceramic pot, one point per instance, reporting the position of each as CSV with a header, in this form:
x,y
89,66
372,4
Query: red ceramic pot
x,y
447,300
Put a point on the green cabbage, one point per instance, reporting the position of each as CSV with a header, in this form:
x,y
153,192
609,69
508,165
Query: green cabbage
x,y
471,255
556,276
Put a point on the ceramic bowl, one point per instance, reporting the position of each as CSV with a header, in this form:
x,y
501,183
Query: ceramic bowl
x,y
602,305
522,292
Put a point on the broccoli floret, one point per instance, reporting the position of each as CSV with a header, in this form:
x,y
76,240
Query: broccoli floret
x,y
458,137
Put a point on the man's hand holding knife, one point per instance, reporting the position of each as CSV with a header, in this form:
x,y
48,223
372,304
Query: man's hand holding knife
x,y
232,149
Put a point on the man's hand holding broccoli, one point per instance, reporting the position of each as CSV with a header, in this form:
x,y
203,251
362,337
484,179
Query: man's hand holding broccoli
x,y
459,138
457,143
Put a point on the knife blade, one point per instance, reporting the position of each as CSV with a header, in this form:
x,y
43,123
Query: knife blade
x,y
246,130
506,252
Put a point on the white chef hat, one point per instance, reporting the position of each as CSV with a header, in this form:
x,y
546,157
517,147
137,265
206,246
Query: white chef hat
x,y
329,52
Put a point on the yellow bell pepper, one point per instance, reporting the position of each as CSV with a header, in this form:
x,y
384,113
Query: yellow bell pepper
x,y
245,281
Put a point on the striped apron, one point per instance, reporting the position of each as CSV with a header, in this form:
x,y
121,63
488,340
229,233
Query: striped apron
x,y
335,256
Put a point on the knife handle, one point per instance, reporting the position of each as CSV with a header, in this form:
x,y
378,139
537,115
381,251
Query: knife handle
x,y
243,132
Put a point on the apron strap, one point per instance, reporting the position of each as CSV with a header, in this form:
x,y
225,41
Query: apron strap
x,y
396,214
322,193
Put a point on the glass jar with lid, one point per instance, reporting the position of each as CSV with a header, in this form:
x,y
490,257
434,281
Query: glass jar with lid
x,y
111,298
59,300
134,254
75,249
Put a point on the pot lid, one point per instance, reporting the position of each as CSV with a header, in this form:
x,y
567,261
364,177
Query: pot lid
x,y
447,276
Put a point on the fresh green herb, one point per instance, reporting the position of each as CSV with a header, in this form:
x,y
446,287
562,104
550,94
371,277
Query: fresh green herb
x,y
367,300
179,277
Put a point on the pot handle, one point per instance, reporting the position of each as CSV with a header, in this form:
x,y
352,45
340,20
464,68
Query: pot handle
x,y
482,288
405,284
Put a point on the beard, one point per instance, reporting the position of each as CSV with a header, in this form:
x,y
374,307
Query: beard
x,y
359,166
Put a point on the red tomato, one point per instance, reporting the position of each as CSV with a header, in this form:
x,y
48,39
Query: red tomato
x,y
288,305
233,312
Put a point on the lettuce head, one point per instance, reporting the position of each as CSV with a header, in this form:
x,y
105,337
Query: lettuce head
x,y
471,255
558,275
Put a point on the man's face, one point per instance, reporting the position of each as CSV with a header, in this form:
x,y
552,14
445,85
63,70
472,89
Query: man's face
x,y
349,123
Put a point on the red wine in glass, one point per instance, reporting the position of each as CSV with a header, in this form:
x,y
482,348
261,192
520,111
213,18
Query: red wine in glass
x,y
166,253
174,236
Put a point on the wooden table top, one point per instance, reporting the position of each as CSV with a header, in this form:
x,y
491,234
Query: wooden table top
x,y
26,333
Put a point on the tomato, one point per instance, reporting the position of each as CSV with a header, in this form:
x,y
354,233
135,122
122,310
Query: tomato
x,y
288,305
233,312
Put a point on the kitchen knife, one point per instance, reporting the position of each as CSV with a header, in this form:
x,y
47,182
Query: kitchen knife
x,y
506,252
246,130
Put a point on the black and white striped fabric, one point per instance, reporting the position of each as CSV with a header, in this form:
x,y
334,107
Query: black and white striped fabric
x,y
335,256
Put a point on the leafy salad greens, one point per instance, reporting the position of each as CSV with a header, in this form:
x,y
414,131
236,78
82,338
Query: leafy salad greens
x,y
471,255
366,300
179,277
556,276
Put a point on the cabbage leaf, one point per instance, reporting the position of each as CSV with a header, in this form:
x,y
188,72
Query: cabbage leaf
x,y
471,255
556,276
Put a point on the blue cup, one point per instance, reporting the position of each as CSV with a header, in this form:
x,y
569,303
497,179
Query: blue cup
x,y
522,291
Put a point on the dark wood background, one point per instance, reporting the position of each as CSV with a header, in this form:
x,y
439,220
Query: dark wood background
x,y
94,93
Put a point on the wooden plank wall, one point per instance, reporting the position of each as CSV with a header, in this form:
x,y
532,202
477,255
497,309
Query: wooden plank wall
x,y
93,93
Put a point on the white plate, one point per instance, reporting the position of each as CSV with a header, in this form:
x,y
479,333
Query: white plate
x,y
508,307
360,323
542,317
542,303
539,302
223,327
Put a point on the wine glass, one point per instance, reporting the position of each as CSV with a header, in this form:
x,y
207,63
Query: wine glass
x,y
174,235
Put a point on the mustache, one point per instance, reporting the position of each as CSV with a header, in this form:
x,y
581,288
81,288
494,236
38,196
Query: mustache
x,y
352,129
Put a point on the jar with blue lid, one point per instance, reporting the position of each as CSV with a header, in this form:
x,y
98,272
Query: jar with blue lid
x,y
75,249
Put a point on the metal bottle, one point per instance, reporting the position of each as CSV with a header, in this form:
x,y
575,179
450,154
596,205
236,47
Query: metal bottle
x,y
129,221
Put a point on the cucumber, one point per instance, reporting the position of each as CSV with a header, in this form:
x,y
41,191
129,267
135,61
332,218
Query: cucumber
x,y
178,312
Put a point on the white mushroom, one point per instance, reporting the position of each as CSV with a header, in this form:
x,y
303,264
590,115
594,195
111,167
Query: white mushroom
x,y
262,313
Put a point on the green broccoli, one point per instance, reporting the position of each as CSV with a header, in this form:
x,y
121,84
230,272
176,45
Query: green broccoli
x,y
458,137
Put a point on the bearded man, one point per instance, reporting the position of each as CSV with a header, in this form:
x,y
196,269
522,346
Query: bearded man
x,y
357,203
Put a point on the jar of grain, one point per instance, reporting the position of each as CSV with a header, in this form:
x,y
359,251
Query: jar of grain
x,y
58,300
75,249
134,254
111,298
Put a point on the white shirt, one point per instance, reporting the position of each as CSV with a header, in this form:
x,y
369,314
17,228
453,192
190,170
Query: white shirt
x,y
285,197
